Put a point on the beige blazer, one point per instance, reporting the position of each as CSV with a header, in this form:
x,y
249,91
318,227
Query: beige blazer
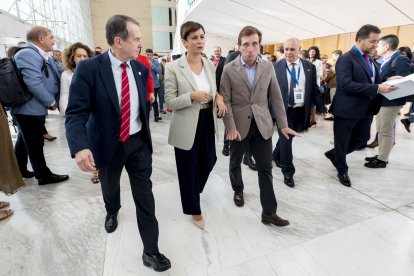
x,y
179,82
244,103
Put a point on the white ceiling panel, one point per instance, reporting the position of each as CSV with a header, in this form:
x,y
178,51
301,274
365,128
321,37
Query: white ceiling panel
x,y
280,19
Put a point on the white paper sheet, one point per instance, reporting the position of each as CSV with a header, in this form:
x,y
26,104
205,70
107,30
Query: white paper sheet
x,y
405,87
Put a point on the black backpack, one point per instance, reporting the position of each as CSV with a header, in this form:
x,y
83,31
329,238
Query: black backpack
x,y
13,90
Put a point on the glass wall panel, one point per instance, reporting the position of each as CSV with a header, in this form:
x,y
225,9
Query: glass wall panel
x,y
69,20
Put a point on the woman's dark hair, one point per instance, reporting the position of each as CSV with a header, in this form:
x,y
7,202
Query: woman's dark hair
x,y
406,51
317,54
69,55
273,58
190,27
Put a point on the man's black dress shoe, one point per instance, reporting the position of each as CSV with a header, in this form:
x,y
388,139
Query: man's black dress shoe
x,y
226,151
289,181
249,162
278,164
158,261
274,219
344,179
330,157
375,164
157,119
111,222
27,174
53,178
406,124
238,199
370,159
252,165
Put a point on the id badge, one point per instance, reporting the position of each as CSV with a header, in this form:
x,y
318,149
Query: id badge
x,y
299,95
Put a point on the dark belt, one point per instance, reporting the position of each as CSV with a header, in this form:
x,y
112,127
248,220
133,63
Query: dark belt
x,y
206,105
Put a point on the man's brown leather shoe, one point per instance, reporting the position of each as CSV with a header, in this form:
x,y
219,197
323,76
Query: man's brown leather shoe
x,y
274,219
374,144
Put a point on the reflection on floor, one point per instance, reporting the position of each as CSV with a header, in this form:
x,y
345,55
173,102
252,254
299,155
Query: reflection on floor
x,y
364,230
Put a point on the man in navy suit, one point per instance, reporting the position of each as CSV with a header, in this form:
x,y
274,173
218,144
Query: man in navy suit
x,y
43,81
355,101
296,77
107,129
394,64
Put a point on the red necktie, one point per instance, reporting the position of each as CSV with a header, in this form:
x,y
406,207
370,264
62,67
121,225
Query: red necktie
x,y
367,60
125,106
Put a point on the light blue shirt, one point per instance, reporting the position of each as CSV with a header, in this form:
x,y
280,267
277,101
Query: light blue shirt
x,y
250,71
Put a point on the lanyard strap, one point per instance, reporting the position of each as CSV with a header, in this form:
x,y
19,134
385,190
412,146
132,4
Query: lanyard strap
x,y
296,80
371,73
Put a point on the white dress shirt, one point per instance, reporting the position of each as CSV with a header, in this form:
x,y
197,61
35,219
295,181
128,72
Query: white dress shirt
x,y
302,77
65,81
135,122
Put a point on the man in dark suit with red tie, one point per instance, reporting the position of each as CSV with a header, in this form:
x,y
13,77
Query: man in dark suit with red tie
x,y
107,129
355,101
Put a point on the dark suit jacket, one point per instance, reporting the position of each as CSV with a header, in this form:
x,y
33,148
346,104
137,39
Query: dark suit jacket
x,y
219,71
312,93
402,68
232,56
93,116
354,88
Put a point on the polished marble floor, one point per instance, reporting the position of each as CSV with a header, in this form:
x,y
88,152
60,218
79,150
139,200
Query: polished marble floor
x,y
365,230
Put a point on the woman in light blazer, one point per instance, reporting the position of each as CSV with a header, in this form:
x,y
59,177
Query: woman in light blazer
x,y
190,90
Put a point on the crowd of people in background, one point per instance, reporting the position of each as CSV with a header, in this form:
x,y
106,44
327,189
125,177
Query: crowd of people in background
x,y
106,98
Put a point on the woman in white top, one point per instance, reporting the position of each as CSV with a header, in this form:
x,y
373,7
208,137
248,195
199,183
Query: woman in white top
x,y
74,54
190,90
315,58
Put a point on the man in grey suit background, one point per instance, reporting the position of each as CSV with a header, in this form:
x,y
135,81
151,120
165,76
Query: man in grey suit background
x,y
248,84
42,79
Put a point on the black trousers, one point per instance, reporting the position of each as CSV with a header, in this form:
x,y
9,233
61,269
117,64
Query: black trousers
x,y
194,165
30,143
283,150
247,151
135,155
349,135
262,153
155,103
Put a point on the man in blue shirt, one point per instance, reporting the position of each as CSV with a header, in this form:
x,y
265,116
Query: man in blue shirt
x,y
156,69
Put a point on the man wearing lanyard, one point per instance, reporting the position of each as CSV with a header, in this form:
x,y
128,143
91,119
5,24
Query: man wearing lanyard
x,y
355,101
394,64
297,81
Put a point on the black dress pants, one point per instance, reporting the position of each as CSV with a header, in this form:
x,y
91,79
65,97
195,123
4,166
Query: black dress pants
x,y
155,103
136,156
247,151
262,153
194,165
283,151
349,135
30,142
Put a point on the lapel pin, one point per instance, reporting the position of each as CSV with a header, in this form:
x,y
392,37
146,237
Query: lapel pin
x,y
139,73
